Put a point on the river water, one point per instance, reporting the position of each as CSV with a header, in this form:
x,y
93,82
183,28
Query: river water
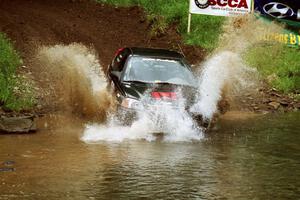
x,y
245,158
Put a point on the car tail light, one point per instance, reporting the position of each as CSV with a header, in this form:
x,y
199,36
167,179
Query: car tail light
x,y
118,51
164,95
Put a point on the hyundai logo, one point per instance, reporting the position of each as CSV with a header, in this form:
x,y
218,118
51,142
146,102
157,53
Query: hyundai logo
x,y
278,10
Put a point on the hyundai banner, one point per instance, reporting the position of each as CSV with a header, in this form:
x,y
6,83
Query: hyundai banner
x,y
287,37
279,9
220,7
285,11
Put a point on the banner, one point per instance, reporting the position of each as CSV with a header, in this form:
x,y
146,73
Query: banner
x,y
220,7
282,10
289,38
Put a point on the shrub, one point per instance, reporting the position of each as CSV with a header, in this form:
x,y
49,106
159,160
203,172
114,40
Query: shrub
x,y
16,92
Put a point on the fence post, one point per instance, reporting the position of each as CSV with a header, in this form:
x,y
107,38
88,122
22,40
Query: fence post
x,y
189,23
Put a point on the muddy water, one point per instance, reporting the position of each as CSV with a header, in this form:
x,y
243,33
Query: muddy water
x,y
246,158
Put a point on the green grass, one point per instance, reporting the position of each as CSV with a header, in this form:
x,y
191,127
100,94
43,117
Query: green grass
x,y
279,64
205,30
15,91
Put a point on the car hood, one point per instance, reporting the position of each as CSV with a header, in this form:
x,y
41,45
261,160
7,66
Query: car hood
x,y
140,90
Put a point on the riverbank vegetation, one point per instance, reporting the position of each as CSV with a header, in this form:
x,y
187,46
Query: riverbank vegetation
x,y
279,66
16,92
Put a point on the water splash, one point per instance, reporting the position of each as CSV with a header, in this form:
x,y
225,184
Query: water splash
x,y
77,78
175,123
223,72
224,68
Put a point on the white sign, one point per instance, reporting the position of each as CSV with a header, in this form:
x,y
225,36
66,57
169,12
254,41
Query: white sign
x,y
220,7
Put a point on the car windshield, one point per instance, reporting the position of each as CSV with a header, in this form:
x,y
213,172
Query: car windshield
x,y
158,70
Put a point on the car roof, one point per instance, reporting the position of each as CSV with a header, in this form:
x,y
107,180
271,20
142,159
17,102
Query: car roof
x,y
155,52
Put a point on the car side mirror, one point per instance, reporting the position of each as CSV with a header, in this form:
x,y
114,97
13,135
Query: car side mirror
x,y
116,74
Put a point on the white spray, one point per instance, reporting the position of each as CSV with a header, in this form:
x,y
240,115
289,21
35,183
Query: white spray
x,y
224,68
175,123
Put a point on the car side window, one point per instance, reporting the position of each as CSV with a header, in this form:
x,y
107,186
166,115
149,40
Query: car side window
x,y
120,59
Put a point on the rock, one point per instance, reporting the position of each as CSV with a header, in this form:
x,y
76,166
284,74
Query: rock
x,y
275,94
7,169
39,107
22,124
274,104
274,89
297,105
272,77
9,162
266,100
284,102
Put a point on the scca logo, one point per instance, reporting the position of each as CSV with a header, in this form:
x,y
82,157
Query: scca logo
x,y
202,3
222,3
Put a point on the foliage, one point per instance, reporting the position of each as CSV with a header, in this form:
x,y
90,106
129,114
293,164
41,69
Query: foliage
x,y
278,63
16,92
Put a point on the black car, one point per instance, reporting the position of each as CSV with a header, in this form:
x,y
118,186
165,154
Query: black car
x,y
159,75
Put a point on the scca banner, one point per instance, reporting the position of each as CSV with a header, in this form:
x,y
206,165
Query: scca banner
x,y
279,9
220,7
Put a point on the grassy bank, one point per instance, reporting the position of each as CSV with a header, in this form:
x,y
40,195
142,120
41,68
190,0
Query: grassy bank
x,y
205,29
279,64
16,93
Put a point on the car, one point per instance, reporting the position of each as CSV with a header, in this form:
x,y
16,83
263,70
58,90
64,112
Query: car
x,y
160,76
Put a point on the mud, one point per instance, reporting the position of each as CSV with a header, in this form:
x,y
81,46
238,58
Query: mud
x,y
77,84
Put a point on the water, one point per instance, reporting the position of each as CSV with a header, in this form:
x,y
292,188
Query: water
x,y
249,158
256,158
224,73
176,124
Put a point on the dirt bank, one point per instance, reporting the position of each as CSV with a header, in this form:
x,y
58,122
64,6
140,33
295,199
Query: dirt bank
x,y
107,28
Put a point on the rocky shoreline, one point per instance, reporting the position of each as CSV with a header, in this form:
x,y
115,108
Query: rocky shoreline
x,y
266,101
269,100
18,124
